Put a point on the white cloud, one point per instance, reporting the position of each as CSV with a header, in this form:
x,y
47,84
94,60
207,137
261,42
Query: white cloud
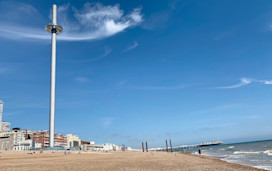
x,y
82,79
246,81
267,82
94,21
134,45
136,15
243,82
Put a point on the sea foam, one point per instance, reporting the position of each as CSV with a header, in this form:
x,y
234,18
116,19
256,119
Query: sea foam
x,y
247,152
268,152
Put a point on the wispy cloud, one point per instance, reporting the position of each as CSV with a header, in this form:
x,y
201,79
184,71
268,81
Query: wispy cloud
x,y
267,82
93,21
243,82
11,113
134,45
81,79
107,51
246,81
106,122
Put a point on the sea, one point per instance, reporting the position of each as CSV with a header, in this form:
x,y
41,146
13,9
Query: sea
x,y
257,154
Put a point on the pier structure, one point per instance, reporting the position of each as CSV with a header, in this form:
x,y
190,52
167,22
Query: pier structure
x,y
184,147
166,145
171,149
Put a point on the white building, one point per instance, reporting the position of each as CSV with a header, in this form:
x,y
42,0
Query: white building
x,y
4,126
23,145
129,149
110,147
73,141
22,139
1,109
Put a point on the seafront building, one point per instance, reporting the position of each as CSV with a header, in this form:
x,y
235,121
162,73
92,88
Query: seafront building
x,y
4,126
42,137
1,109
73,141
110,147
25,139
91,146
87,145
6,140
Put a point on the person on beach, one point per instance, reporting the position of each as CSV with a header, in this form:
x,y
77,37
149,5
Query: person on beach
x,y
199,151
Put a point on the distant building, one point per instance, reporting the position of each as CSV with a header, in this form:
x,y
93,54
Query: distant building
x,y
1,109
110,147
4,126
87,145
91,146
22,139
73,140
129,149
42,137
6,140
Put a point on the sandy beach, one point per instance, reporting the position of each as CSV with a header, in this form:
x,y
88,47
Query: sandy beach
x,y
121,161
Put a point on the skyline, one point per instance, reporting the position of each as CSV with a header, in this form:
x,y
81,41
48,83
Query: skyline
x,y
141,71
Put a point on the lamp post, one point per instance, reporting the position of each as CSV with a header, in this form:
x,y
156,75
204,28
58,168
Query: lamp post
x,y
54,29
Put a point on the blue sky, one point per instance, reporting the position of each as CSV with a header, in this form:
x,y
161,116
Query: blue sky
x,y
133,71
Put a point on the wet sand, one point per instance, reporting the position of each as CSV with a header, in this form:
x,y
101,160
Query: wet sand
x,y
121,161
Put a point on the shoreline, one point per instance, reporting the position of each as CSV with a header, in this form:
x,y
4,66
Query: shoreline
x,y
222,159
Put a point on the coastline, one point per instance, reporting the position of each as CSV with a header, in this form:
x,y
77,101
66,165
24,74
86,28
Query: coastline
x,y
224,160
74,160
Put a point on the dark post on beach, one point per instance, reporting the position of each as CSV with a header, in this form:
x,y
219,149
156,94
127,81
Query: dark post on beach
x,y
171,145
146,147
166,145
143,146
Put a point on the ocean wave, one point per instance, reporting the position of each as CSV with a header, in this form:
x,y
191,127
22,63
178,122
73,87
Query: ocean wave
x,y
268,152
236,156
264,167
231,147
247,152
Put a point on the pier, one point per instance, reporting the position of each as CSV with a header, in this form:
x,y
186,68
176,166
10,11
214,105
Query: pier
x,y
184,147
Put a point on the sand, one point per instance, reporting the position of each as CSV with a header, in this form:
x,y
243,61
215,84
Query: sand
x,y
121,161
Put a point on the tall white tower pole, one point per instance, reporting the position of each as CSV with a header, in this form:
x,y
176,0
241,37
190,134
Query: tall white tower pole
x,y
1,111
53,29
